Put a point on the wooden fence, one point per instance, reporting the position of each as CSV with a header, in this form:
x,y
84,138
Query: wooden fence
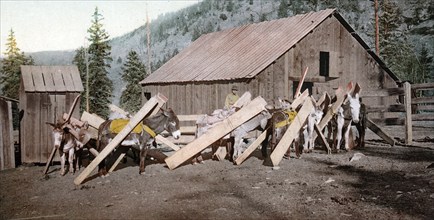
x,y
7,150
412,105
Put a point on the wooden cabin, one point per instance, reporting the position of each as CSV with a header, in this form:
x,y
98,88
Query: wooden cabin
x,y
46,92
268,59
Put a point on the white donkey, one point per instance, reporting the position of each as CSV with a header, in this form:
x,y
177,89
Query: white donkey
x,y
348,113
314,117
67,144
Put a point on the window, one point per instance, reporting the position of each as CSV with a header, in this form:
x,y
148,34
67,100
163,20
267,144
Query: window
x,y
147,95
324,61
306,85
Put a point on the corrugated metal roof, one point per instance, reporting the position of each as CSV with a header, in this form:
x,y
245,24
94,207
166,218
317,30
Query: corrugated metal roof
x,y
51,79
238,53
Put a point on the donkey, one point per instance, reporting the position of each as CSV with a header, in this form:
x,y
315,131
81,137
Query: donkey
x,y
259,122
67,144
347,114
314,117
151,127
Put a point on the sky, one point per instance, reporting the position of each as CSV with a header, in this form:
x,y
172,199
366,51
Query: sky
x,y
62,25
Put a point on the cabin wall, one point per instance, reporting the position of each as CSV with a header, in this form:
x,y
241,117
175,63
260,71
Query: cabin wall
x,y
38,108
348,61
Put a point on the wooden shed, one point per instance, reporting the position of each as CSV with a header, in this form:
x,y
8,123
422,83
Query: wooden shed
x,y
268,59
46,92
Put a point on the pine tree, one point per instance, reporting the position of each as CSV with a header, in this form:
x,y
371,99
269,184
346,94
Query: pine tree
x,y
11,71
283,9
394,47
133,72
80,61
100,86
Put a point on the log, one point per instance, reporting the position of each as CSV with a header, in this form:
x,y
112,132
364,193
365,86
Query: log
x,y
143,112
251,148
216,132
380,132
291,133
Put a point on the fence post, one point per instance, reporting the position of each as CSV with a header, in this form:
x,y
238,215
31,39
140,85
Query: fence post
x,y
408,122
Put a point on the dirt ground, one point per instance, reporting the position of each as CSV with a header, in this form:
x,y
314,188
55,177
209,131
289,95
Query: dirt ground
x,y
385,183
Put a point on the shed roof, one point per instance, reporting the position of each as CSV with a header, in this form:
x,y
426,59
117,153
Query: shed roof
x,y
243,52
51,79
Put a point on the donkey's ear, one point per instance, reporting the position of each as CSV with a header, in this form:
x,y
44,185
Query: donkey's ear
x,y
51,124
165,112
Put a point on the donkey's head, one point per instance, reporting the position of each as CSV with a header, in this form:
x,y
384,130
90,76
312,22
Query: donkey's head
x,y
172,125
59,131
354,104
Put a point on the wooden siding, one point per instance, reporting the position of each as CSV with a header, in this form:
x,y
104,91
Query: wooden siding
x,y
349,61
46,92
7,150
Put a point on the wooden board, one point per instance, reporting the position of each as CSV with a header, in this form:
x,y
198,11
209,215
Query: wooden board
x,y
251,148
134,121
75,74
38,79
48,79
215,133
380,132
291,133
92,119
26,75
163,140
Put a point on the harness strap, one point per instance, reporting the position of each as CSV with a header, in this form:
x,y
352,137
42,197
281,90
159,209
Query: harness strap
x,y
149,131
291,115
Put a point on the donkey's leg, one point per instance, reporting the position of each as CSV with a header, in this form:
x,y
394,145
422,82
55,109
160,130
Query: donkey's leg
x,y
71,161
347,137
62,163
143,152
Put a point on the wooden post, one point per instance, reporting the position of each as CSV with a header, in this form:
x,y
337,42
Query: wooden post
x,y
291,133
215,133
148,107
251,148
408,122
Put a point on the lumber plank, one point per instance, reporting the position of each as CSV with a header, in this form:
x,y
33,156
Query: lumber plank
x,y
243,100
300,99
26,75
380,132
291,133
251,148
322,139
163,140
73,121
135,120
221,153
119,110
188,117
92,119
115,108
215,133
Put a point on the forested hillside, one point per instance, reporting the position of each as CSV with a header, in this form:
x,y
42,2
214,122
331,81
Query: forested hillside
x,y
407,31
